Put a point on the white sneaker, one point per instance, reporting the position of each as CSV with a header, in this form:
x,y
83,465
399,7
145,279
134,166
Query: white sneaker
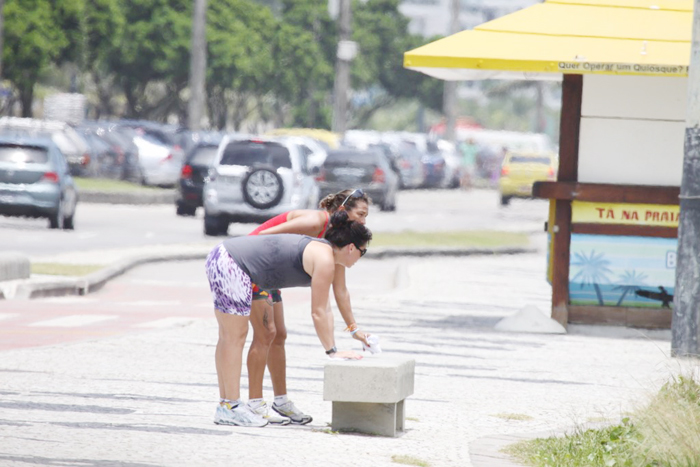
x,y
264,411
241,415
288,409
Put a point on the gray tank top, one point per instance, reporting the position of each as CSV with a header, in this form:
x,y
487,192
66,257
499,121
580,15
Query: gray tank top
x,y
272,261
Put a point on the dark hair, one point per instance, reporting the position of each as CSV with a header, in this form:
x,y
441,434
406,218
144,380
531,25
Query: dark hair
x,y
343,231
332,202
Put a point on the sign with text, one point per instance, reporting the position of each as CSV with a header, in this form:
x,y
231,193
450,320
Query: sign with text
x,y
625,214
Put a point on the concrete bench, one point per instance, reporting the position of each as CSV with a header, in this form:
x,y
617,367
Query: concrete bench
x,y
368,395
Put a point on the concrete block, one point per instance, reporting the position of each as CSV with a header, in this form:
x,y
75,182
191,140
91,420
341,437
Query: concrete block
x,y
377,379
14,266
368,395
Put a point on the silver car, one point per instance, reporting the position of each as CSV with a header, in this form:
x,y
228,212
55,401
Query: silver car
x,y
35,181
254,179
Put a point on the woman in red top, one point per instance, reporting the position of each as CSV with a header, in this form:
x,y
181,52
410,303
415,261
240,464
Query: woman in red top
x,y
267,312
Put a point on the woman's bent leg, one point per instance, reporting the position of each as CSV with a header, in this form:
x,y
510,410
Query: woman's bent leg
x,y
277,357
262,318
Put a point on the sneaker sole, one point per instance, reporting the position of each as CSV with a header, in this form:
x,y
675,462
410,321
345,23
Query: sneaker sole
x,y
222,422
286,422
301,422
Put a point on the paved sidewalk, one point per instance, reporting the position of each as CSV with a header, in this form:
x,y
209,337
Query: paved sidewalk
x,y
148,399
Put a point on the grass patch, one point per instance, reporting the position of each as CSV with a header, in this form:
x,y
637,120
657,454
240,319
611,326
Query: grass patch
x,y
513,416
103,184
413,419
60,269
464,239
409,460
665,433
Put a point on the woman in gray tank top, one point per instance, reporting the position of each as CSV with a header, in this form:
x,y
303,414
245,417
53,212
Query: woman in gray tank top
x,y
273,262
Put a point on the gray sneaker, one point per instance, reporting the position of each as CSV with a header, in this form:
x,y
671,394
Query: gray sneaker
x,y
264,411
288,409
241,415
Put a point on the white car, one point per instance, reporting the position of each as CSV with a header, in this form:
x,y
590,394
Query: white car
x,y
157,163
254,179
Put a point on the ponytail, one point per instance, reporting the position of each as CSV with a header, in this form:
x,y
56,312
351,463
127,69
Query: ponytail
x,y
343,231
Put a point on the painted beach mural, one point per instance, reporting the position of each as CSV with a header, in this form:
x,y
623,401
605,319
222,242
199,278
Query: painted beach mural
x,y
622,271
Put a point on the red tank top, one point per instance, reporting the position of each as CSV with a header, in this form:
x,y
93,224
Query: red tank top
x,y
281,219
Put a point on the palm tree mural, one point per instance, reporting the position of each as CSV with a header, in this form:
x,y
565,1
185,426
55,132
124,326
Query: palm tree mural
x,y
594,271
629,282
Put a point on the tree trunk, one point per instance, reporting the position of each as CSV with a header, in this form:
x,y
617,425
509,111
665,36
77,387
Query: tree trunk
x,y
26,97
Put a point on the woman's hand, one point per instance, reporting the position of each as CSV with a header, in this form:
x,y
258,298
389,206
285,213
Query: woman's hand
x,y
347,354
362,337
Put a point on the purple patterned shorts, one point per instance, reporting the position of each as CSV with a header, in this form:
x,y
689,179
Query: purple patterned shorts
x,y
231,288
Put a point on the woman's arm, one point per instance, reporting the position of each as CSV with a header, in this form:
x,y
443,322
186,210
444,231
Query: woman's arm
x,y
306,223
319,264
342,299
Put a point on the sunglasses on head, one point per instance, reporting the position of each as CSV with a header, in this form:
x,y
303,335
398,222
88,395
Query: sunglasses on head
x,y
357,193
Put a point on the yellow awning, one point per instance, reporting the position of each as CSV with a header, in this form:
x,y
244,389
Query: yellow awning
x,y
624,37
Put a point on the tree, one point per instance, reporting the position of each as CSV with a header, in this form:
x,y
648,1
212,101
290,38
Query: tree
x,y
103,25
305,47
34,37
152,57
382,34
240,65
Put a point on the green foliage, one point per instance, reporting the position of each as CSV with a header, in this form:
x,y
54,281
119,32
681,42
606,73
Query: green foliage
x,y
33,39
104,26
382,34
665,433
279,65
154,47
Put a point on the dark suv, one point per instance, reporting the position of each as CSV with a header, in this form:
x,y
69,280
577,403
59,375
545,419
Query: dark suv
x,y
194,171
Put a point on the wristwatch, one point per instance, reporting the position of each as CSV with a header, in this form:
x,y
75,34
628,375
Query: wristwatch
x,y
331,351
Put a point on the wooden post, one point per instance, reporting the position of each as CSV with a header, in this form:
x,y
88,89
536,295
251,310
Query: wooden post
x,y
569,130
684,324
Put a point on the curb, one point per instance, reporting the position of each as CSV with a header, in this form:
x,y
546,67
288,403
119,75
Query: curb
x,y
163,196
61,286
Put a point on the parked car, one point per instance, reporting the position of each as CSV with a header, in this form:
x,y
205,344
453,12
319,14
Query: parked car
x,y
521,170
256,179
352,168
433,169
71,144
116,154
410,165
314,151
35,181
453,165
157,163
194,171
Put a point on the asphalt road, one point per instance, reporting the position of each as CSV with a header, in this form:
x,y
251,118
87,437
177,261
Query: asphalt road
x,y
107,226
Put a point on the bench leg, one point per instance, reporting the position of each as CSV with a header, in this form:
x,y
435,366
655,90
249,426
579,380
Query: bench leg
x,y
369,418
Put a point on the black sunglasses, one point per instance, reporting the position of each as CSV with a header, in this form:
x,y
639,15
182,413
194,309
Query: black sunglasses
x,y
361,250
357,193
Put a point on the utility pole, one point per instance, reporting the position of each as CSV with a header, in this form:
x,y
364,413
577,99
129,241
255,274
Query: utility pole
x,y
2,31
449,96
346,52
686,298
198,65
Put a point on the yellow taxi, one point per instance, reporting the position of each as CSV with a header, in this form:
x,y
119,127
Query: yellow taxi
x,y
520,170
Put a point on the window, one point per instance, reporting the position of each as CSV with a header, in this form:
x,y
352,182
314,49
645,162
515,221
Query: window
x,y
204,155
252,153
23,155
